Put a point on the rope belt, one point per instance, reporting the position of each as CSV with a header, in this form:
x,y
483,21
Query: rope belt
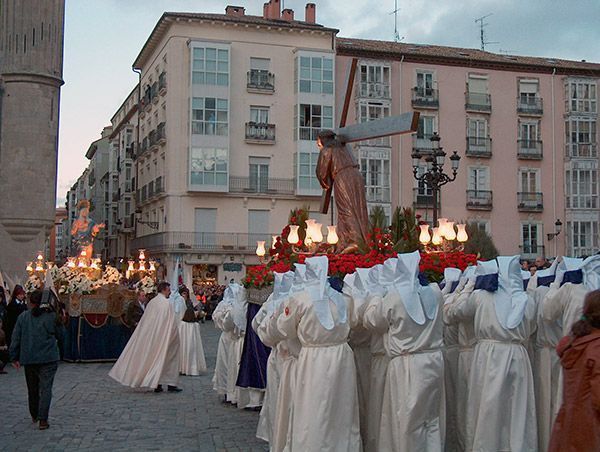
x,y
323,345
418,352
495,341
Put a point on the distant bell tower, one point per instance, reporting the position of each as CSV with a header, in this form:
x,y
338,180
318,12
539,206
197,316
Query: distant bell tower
x,y
31,66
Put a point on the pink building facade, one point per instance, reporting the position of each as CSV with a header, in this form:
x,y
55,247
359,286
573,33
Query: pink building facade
x,y
525,129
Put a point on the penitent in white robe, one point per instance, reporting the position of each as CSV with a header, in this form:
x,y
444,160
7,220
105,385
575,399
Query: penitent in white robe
x,y
235,355
192,360
325,399
360,343
501,405
220,376
451,352
413,412
546,370
151,357
456,314
377,377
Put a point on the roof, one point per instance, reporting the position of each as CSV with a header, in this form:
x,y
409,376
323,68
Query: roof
x,y
456,56
163,23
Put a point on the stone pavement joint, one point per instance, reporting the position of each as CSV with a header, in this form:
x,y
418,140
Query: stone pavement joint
x,y
93,412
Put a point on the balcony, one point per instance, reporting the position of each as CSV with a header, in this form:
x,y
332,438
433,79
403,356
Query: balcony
x,y
154,92
529,149
374,90
159,188
479,199
161,134
422,144
260,81
260,133
478,102
479,147
582,150
162,83
261,185
129,152
425,98
144,146
532,250
530,201
151,192
153,139
212,242
422,200
530,105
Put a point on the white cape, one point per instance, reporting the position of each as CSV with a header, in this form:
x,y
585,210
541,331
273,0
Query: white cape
x,y
192,361
151,357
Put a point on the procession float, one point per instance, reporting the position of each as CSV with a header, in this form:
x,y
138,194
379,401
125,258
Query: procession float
x,y
93,296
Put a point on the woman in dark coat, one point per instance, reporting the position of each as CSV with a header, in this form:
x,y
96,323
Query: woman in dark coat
x,y
15,307
577,426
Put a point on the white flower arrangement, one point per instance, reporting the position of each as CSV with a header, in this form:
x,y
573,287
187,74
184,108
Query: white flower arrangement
x,y
111,275
146,285
33,283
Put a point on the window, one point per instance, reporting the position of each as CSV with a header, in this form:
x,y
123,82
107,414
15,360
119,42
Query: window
x,y
581,96
477,84
374,81
531,234
313,119
370,111
375,169
478,128
258,226
582,188
259,115
209,167
259,174
528,91
581,137
316,75
422,188
307,172
529,180
426,127
260,64
482,225
209,116
425,84
205,227
210,66
479,178
529,132
582,236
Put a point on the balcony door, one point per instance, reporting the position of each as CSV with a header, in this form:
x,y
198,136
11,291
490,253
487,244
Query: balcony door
x,y
425,84
259,174
529,181
531,239
258,226
529,132
205,228
528,91
479,178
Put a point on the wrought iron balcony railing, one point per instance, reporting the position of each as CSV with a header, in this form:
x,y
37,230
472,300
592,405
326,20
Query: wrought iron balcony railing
x,y
529,149
529,105
200,241
260,80
425,97
259,132
266,185
478,102
479,147
479,199
374,90
530,201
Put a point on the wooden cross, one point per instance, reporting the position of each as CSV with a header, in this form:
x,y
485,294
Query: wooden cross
x,y
392,125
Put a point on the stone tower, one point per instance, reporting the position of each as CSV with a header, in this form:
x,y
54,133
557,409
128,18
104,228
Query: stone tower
x,y
31,61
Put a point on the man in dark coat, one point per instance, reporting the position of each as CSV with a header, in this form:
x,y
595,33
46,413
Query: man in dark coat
x,y
15,307
135,310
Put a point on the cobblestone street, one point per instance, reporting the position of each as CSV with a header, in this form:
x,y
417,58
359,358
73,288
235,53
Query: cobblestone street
x,y
90,411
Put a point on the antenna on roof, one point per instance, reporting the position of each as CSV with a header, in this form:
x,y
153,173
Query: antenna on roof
x,y
395,13
482,35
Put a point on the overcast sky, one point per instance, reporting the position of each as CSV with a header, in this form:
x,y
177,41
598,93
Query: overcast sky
x,y
102,38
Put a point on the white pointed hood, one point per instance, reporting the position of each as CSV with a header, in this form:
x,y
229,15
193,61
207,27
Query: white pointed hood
x,y
282,285
321,292
239,306
510,299
486,275
356,286
299,278
377,285
419,301
175,299
591,272
567,264
546,276
451,279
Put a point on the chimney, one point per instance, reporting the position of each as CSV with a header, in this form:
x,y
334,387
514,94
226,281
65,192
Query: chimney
x,y
275,9
288,14
310,15
238,11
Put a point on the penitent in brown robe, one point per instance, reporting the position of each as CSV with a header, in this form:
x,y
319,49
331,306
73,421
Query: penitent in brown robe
x,y
336,165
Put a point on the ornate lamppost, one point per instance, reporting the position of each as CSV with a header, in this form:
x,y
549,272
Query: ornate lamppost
x,y
434,177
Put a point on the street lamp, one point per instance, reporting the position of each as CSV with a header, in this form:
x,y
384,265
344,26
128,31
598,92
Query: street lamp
x,y
557,229
434,177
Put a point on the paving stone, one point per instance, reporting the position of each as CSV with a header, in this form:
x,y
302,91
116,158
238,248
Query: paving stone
x,y
90,411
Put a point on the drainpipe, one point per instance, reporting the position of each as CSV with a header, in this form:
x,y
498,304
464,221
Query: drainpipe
x,y
554,163
399,143
137,146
